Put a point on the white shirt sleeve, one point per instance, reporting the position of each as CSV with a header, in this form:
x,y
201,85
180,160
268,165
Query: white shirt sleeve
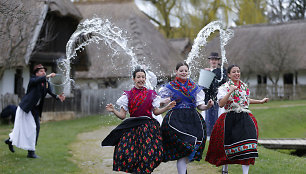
x,y
221,92
156,102
164,92
123,102
200,98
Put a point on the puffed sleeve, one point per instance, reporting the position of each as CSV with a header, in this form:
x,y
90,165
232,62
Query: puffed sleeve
x,y
200,98
156,102
164,92
123,102
222,91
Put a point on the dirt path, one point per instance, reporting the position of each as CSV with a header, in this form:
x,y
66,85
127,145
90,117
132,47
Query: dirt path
x,y
92,158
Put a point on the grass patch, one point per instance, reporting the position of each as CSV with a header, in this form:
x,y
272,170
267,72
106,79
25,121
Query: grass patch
x,y
52,146
276,119
281,119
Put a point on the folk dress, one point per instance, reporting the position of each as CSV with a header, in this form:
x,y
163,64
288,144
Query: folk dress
x,y
235,134
183,128
137,140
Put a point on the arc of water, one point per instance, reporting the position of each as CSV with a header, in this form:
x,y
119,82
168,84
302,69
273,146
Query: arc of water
x,y
201,41
96,30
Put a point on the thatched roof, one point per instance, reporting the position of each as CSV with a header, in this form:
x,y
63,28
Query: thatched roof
x,y
254,42
180,44
27,21
147,42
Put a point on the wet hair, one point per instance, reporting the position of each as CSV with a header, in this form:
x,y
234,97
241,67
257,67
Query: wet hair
x,y
178,65
138,70
231,67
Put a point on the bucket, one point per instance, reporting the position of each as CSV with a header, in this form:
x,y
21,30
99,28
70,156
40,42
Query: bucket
x,y
205,78
58,83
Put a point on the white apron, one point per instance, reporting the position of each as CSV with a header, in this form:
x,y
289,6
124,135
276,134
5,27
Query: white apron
x,y
24,133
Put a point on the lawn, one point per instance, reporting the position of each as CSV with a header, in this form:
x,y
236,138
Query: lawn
x,y
279,119
52,146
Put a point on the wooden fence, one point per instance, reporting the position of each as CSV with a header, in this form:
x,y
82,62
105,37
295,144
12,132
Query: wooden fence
x,y
286,92
88,101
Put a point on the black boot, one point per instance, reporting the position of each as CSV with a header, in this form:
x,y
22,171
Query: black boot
x,y
10,146
31,154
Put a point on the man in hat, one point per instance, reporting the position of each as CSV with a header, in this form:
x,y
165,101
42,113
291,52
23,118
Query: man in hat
x,y
27,120
211,115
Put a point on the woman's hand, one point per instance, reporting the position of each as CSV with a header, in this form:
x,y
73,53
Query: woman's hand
x,y
210,103
265,100
110,108
232,88
171,105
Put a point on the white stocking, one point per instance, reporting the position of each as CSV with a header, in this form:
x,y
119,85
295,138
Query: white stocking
x,y
182,165
245,169
225,168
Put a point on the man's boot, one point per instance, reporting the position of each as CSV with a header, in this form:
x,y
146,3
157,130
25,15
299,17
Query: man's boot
x,y
10,146
31,154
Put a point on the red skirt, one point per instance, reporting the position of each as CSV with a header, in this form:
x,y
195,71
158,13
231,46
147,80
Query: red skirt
x,y
216,153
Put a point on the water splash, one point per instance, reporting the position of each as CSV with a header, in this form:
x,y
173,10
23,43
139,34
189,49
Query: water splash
x,y
94,31
201,41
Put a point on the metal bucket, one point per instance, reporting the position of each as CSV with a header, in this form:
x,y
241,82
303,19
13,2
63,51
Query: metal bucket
x,y
58,83
205,78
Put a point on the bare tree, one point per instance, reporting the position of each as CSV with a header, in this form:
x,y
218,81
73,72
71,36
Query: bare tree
x,y
13,16
18,21
277,56
297,9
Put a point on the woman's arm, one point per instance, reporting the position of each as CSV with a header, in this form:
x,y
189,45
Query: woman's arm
x,y
264,100
203,107
120,114
223,100
169,106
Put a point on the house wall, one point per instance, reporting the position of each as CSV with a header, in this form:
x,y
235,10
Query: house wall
x,y
301,77
26,77
7,82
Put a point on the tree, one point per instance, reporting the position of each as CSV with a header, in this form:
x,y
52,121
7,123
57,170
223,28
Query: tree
x,y
202,13
164,8
286,10
18,21
12,32
276,57
250,11
277,11
297,9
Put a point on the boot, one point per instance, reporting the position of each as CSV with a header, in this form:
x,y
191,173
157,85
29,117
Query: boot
x,y
10,146
31,154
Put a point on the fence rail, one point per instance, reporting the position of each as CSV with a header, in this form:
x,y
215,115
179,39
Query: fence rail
x,y
89,101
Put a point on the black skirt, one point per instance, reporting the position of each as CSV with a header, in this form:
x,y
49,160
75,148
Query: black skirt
x,y
138,145
184,134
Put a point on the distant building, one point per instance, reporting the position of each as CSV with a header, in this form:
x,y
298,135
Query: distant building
x,y
272,58
106,79
181,45
39,36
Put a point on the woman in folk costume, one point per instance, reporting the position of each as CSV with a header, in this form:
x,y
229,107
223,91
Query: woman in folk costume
x,y
137,140
235,134
183,128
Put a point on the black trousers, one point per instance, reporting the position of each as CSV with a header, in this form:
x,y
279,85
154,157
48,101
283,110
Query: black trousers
x,y
35,113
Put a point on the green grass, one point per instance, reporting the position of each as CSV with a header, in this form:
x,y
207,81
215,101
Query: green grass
x,y
277,119
281,119
52,146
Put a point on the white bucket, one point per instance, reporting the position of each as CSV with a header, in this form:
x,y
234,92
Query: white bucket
x,y
58,83
205,78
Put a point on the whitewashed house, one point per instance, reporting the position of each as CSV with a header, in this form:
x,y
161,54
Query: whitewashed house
x,y
272,58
